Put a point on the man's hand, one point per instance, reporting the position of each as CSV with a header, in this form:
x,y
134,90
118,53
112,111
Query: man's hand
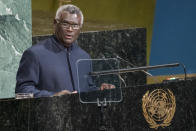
x,y
107,86
64,92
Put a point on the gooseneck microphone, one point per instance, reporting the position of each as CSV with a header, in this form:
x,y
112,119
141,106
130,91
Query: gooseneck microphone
x,y
118,57
119,71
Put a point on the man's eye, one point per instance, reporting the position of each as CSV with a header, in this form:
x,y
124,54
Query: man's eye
x,y
75,26
65,24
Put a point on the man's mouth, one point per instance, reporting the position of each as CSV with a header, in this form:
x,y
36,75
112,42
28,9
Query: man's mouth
x,y
67,36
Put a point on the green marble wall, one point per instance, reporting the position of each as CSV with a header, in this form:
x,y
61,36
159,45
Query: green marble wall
x,y
15,37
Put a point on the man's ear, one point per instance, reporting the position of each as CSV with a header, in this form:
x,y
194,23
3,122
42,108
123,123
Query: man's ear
x,y
54,22
54,25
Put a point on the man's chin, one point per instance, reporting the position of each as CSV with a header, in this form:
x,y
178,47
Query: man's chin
x,y
68,43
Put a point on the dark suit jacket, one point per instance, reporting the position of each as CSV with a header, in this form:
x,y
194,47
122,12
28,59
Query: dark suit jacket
x,y
44,68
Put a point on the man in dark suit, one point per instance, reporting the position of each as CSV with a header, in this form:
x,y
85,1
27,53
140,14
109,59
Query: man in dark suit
x,y
49,67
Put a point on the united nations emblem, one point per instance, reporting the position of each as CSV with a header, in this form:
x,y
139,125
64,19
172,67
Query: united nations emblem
x,y
159,107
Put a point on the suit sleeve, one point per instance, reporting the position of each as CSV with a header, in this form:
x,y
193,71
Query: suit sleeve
x,y
27,77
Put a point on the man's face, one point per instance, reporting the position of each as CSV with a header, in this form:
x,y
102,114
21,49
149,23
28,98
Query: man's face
x,y
67,28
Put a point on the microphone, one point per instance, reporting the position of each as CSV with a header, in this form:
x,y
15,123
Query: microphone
x,y
118,57
133,69
120,77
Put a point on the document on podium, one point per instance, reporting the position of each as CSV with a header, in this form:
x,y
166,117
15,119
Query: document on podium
x,y
98,88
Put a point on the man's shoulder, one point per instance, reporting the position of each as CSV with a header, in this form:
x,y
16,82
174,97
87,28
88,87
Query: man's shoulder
x,y
41,45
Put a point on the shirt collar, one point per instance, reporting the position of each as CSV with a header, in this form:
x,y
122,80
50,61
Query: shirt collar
x,y
60,45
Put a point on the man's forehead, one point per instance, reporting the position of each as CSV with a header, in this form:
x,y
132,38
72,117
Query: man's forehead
x,y
68,17
66,13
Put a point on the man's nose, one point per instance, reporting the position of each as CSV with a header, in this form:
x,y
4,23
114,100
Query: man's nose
x,y
70,28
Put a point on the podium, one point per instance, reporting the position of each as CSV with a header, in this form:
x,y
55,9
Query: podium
x,y
67,113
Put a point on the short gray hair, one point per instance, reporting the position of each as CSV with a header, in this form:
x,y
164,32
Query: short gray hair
x,y
71,9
